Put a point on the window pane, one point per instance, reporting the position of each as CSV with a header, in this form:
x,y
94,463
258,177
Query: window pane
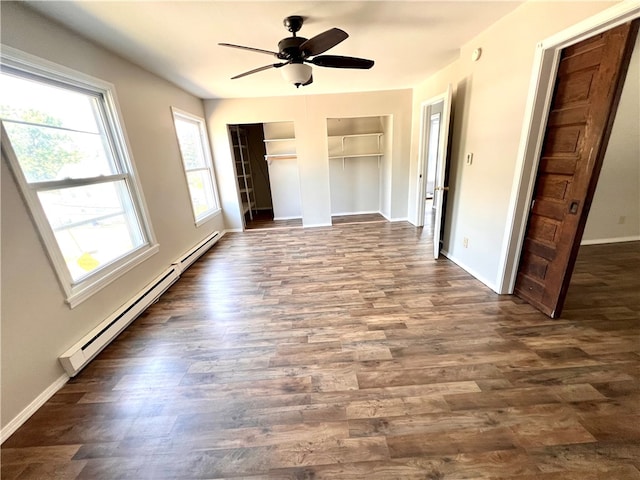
x,y
197,163
201,189
94,224
72,164
190,143
46,153
33,101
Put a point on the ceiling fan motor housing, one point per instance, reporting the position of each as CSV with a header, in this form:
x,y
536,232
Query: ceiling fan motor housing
x,y
289,48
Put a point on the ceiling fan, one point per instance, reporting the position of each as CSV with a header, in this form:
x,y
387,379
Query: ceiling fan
x,y
296,52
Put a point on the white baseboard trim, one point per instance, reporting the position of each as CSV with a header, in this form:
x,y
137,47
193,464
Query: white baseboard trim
x,y
600,241
32,408
364,212
287,218
470,271
403,219
316,225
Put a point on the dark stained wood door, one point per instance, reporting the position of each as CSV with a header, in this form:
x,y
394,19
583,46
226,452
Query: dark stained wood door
x,y
587,90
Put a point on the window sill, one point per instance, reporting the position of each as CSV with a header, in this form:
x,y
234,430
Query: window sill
x,y
84,290
210,216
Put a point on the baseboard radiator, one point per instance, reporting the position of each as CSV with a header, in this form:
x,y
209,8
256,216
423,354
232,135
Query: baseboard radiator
x,y
74,359
196,252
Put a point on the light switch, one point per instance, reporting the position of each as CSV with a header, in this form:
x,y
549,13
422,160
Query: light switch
x,y
469,158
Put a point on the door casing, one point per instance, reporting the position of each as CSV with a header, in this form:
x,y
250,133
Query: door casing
x,y
589,83
545,66
443,144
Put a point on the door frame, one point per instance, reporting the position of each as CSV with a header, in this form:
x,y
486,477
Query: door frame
x,y
423,149
545,66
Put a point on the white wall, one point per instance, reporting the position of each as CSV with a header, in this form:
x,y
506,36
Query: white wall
x,y
37,325
309,114
284,175
489,105
615,211
355,185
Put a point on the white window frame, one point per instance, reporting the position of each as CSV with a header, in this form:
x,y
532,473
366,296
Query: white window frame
x,y
206,150
78,291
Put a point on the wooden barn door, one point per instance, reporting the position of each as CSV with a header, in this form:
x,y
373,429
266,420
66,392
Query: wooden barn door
x,y
587,90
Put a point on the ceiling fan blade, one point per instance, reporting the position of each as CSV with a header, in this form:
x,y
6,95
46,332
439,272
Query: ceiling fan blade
x,y
242,47
323,42
337,61
259,69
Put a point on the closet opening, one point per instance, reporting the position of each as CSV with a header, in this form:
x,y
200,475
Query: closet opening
x,y
358,162
267,174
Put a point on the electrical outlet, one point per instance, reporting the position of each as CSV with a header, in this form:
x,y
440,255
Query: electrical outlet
x,y
465,242
469,158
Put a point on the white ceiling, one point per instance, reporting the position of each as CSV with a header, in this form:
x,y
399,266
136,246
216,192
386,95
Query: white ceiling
x,y
178,40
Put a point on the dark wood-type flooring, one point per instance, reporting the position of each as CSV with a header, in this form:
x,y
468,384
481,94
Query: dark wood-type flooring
x,y
264,220
349,353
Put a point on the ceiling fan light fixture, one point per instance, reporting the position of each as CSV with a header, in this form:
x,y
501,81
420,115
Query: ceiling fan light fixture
x,y
296,73
294,52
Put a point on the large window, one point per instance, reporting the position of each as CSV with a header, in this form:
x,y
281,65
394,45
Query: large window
x,y
61,136
196,158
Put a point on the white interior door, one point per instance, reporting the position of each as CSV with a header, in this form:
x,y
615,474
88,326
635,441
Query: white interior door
x,y
434,136
441,168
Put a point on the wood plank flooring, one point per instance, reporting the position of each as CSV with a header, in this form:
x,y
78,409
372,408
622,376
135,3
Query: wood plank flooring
x,y
264,220
348,353
361,218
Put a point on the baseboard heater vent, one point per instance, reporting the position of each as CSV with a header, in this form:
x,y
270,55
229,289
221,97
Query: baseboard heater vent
x,y
196,252
74,359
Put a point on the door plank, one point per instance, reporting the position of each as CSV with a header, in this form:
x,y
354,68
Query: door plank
x,y
563,140
587,91
566,165
576,115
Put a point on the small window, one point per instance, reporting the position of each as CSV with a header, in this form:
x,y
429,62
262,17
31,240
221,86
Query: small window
x,y
62,138
196,159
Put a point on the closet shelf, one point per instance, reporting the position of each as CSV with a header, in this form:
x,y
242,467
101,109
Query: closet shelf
x,y
343,151
267,140
373,154
280,156
352,135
